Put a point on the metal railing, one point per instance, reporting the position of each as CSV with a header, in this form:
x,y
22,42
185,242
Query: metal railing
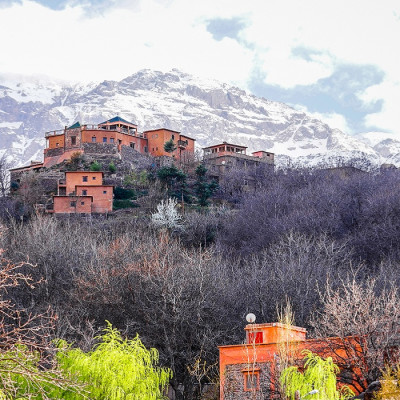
x,y
90,127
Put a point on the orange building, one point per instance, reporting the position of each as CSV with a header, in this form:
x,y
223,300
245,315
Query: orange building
x,y
113,134
248,371
158,137
83,192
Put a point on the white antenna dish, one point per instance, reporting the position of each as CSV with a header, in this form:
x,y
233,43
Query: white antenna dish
x,y
250,318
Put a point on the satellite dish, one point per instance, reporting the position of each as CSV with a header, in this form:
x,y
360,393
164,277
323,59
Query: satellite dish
x,y
250,318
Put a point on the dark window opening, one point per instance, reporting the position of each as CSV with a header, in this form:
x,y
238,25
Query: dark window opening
x,y
84,178
104,191
104,140
251,381
84,192
73,140
82,203
73,204
132,145
93,178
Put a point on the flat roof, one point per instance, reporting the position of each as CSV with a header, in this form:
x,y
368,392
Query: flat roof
x,y
161,129
188,137
84,172
224,144
30,166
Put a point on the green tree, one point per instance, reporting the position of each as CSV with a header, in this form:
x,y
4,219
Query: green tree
x,y
116,369
319,374
204,189
174,180
95,166
112,168
170,146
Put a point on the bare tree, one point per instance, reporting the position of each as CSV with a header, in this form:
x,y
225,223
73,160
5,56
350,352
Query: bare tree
x,y
4,176
366,319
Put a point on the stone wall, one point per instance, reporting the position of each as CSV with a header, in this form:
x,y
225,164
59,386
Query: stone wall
x,y
100,148
76,133
133,157
234,388
54,152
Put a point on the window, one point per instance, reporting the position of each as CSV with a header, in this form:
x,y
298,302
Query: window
x,y
84,178
104,140
155,136
93,178
73,140
251,381
93,139
145,149
255,337
111,140
82,203
104,191
57,144
132,145
73,203
84,192
172,137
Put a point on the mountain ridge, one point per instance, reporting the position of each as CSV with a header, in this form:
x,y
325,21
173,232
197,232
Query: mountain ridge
x,y
205,109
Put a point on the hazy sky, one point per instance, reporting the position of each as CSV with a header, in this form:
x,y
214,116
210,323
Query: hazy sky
x,y
339,60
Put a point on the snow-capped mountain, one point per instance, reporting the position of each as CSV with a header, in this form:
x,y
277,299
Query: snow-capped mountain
x,y
207,110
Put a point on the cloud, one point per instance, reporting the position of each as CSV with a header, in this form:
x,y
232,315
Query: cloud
x,y
221,28
333,58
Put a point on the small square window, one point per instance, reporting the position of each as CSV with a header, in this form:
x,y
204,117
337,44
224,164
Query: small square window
x,y
104,191
84,192
57,144
93,139
93,178
73,204
104,140
132,145
84,178
251,381
82,203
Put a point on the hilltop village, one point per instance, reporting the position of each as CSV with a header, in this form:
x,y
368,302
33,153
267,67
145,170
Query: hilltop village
x,y
83,188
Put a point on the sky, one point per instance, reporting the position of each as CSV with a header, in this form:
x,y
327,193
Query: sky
x,y
337,60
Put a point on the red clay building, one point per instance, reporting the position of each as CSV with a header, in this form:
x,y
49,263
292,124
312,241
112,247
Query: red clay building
x,y
83,192
113,133
248,371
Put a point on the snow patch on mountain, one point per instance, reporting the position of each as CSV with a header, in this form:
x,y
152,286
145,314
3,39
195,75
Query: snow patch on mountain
x,y
206,110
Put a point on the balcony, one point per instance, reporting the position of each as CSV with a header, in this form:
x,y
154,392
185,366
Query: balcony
x,y
182,144
54,133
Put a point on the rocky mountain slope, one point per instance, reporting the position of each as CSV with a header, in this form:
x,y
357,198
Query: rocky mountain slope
x,y
207,110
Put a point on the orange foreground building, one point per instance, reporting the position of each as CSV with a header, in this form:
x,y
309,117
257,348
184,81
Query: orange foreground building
x,y
248,371
82,192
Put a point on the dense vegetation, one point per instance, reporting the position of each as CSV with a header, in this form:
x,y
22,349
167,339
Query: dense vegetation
x,y
315,237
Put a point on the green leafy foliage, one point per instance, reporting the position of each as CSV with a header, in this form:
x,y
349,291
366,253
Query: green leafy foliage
x,y
137,179
319,374
122,194
116,369
126,203
95,166
112,168
169,146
